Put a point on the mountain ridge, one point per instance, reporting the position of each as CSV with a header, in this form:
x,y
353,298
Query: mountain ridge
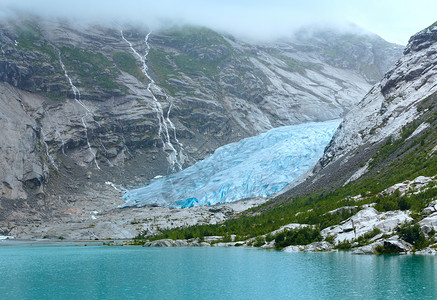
x,y
93,115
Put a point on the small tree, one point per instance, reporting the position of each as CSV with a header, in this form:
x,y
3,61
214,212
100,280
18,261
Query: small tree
x,y
413,234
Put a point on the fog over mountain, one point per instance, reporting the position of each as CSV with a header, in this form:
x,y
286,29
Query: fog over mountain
x,y
395,21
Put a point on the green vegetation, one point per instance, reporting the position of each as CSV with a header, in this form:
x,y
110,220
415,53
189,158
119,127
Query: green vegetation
x,y
192,65
56,95
431,26
126,62
161,66
411,201
299,236
197,51
365,238
164,66
201,50
389,249
362,240
194,35
94,69
297,66
30,38
411,233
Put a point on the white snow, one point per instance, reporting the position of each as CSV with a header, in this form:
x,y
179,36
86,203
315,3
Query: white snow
x,y
254,167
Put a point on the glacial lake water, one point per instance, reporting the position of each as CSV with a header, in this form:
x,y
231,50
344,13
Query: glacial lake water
x,y
98,272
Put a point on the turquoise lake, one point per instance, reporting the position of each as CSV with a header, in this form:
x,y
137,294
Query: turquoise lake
x,y
98,272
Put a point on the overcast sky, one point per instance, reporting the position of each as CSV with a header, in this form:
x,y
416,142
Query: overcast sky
x,y
394,20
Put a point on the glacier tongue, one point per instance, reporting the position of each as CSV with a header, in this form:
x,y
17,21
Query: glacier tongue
x,y
253,167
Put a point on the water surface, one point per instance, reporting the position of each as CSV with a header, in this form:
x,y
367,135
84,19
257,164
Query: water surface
x,y
73,272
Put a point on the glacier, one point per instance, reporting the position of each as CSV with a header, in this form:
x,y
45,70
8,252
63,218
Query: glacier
x,y
258,166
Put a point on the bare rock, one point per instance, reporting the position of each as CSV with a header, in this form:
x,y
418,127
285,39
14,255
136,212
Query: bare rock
x,y
368,249
365,221
313,247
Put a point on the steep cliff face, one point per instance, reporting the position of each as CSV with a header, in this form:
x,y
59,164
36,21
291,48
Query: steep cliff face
x,y
397,114
85,105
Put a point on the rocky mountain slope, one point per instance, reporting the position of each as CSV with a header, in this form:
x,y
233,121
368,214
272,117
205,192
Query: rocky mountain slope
x,y
82,106
374,189
395,114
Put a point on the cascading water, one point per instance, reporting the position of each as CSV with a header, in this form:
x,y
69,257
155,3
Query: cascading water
x,y
174,157
88,112
52,161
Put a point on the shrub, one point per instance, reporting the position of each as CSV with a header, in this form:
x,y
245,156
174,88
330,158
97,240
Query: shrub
x,y
412,234
346,244
299,236
389,249
259,241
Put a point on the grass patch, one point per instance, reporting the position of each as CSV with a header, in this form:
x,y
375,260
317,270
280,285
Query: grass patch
x,y
94,69
127,63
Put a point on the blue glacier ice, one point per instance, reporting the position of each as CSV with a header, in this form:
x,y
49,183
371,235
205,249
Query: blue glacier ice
x,y
253,167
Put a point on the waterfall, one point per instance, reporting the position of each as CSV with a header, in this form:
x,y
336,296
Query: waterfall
x,y
174,157
88,112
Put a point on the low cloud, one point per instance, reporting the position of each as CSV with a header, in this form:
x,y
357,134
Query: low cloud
x,y
252,19
394,20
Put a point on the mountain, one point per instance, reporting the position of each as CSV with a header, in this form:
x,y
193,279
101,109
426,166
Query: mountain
x,y
375,187
85,105
387,124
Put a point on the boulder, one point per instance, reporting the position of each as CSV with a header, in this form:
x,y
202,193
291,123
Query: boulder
x,y
399,245
428,223
313,247
368,249
432,208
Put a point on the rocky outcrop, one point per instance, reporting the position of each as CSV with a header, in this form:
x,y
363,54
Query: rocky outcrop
x,y
392,245
429,223
365,221
385,114
313,247
176,243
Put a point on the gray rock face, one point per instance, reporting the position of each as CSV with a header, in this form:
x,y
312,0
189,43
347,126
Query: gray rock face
x,y
423,39
20,165
78,109
395,98
389,106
